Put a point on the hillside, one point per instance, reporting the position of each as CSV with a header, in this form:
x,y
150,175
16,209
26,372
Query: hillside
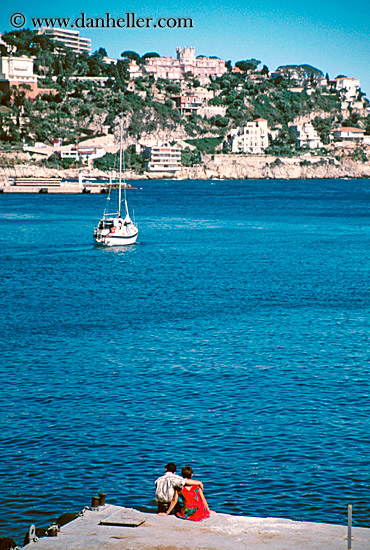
x,y
86,97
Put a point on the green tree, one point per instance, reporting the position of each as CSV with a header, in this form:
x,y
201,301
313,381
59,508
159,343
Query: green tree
x,y
148,55
129,55
323,126
21,40
352,121
190,158
96,63
248,64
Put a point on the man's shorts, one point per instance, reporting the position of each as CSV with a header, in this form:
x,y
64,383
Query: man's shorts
x,y
163,507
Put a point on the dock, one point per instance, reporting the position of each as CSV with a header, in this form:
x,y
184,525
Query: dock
x,y
69,188
112,527
52,187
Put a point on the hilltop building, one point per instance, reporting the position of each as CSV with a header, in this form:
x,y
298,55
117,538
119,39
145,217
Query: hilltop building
x,y
70,39
202,68
252,138
292,73
349,86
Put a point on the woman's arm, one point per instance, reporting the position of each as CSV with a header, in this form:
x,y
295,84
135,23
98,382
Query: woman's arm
x,y
201,494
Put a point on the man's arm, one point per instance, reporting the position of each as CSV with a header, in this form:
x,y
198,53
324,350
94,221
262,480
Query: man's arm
x,y
174,500
194,482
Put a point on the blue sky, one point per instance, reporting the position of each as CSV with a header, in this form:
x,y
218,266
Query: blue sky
x,y
333,36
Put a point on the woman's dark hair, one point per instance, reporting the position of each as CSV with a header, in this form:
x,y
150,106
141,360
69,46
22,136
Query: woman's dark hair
x,y
187,472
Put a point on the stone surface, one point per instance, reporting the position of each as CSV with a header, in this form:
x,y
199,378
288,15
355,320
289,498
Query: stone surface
x,y
219,532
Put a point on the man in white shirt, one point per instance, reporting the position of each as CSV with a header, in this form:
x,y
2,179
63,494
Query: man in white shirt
x,y
166,485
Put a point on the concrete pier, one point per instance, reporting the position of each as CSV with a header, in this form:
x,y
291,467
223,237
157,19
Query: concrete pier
x,y
116,528
66,189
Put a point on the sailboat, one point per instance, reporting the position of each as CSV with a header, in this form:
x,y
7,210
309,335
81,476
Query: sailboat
x,y
113,229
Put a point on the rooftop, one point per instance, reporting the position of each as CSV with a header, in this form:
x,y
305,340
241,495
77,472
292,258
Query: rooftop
x,y
349,129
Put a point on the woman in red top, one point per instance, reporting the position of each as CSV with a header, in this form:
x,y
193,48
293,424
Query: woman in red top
x,y
195,506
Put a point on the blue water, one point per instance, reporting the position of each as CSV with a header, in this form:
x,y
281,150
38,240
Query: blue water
x,y
234,337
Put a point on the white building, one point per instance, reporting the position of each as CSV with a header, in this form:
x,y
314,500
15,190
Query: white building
x,y
83,154
110,60
349,134
18,71
70,39
320,81
306,135
350,86
135,70
252,138
164,158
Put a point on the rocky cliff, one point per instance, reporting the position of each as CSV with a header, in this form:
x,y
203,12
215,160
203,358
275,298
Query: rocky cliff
x,y
227,167
264,166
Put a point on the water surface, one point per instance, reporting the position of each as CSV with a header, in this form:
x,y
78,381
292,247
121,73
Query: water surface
x,y
234,337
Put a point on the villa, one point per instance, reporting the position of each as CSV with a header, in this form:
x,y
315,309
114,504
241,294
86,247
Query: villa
x,y
202,68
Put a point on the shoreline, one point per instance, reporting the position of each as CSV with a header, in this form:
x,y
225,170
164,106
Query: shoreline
x,y
214,167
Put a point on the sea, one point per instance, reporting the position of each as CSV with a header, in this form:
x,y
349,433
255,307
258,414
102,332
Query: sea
x,y
232,337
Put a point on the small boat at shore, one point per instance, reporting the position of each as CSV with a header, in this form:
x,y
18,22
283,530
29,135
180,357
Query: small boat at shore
x,y
115,229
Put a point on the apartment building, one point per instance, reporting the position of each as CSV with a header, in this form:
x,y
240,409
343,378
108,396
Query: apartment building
x,y
70,39
164,158
306,135
251,138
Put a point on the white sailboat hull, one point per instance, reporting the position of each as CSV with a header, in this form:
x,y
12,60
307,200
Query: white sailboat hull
x,y
116,240
116,232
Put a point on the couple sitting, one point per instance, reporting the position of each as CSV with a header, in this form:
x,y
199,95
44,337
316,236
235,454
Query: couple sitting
x,y
168,488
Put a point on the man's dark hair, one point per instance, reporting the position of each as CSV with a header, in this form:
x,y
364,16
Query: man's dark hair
x,y
187,472
171,467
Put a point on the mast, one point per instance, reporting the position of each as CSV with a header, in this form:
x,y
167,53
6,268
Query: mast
x,y
120,171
